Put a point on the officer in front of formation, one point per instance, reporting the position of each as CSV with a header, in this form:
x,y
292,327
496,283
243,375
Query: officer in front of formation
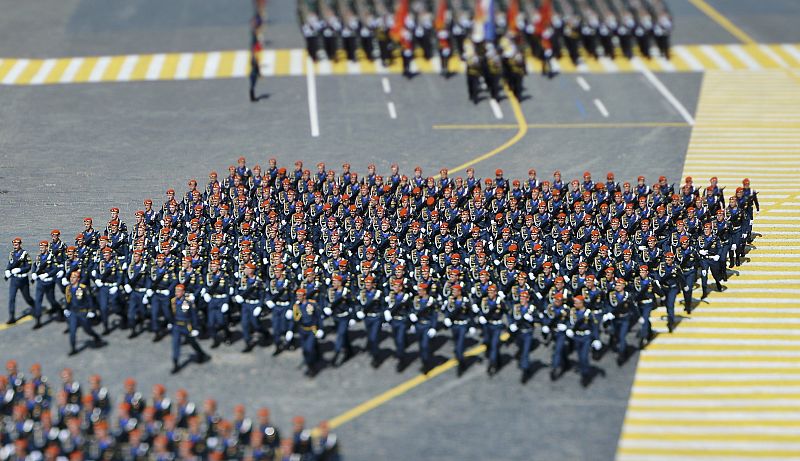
x,y
183,328
17,269
306,317
79,311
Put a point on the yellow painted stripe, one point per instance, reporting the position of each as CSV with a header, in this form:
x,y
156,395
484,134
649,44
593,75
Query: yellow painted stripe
x,y
140,69
760,57
198,65
4,326
85,70
58,70
30,71
731,58
170,66
716,453
566,64
282,62
711,436
339,67
722,21
114,66
226,64
5,66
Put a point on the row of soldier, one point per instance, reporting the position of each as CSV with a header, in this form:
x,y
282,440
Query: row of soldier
x,y
548,29
40,420
302,254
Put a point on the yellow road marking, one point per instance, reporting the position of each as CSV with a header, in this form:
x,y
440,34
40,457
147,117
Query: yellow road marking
x,y
508,126
703,436
226,64
114,66
140,69
58,70
27,318
706,453
724,22
198,65
170,66
85,70
30,71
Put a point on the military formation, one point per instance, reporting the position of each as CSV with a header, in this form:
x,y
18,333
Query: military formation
x,y
40,420
289,256
493,48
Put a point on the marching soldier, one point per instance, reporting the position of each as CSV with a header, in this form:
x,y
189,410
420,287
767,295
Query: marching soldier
x,y
250,296
79,311
371,312
339,307
44,272
424,317
159,286
672,281
523,316
216,294
306,317
492,311
107,278
183,328
17,269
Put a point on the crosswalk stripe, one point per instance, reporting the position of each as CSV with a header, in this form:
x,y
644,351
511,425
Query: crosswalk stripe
x,y
127,68
296,60
742,55
113,69
99,69
226,62
71,70
169,67
267,63
282,62
184,66
85,70
155,67
198,65
689,58
716,58
139,71
47,66
211,65
241,64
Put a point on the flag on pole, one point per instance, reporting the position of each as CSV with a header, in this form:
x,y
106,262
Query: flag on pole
x,y
513,11
441,12
399,21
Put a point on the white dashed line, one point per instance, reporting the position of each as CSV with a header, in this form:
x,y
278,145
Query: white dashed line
x,y
498,112
583,83
392,110
387,87
601,107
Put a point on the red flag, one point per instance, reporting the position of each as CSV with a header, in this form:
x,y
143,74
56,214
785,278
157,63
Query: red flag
x,y
513,11
441,12
546,16
399,20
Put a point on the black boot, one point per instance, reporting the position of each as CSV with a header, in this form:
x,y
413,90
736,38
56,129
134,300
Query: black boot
x,y
175,367
253,95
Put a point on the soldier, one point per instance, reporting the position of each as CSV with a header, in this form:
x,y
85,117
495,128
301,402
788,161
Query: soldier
x,y
621,310
17,269
492,311
136,281
396,313
255,69
159,286
371,311
182,328
107,278
424,317
585,333
79,311
44,272
279,300
216,294
250,295
306,317
672,281
557,314
523,316
648,291
339,307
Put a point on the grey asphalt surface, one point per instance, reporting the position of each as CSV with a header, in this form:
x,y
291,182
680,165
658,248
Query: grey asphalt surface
x,y
69,151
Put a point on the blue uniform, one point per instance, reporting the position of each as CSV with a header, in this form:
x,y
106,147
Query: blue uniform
x,y
280,298
136,281
17,269
371,307
160,284
459,312
217,295
425,311
585,331
108,277
45,271
339,304
523,317
492,312
251,291
182,328
307,319
79,307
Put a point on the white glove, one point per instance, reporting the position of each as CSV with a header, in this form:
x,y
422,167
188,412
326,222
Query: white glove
x,y
475,308
473,291
611,316
257,311
733,247
319,334
98,283
327,311
557,266
203,291
194,333
351,322
566,278
431,332
715,257
289,314
482,320
90,315
412,329
112,290
206,297
561,327
146,300
703,252
128,288
230,291
60,274
8,273
238,299
289,335
545,329
271,304
538,295
224,308
387,315
360,315
496,262
294,266
570,333
513,328
528,317
64,281
169,326
744,234
67,313
265,260
163,292
597,345
412,317
94,273
149,293
641,247
501,296
190,297
447,322
472,331
703,272
124,266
